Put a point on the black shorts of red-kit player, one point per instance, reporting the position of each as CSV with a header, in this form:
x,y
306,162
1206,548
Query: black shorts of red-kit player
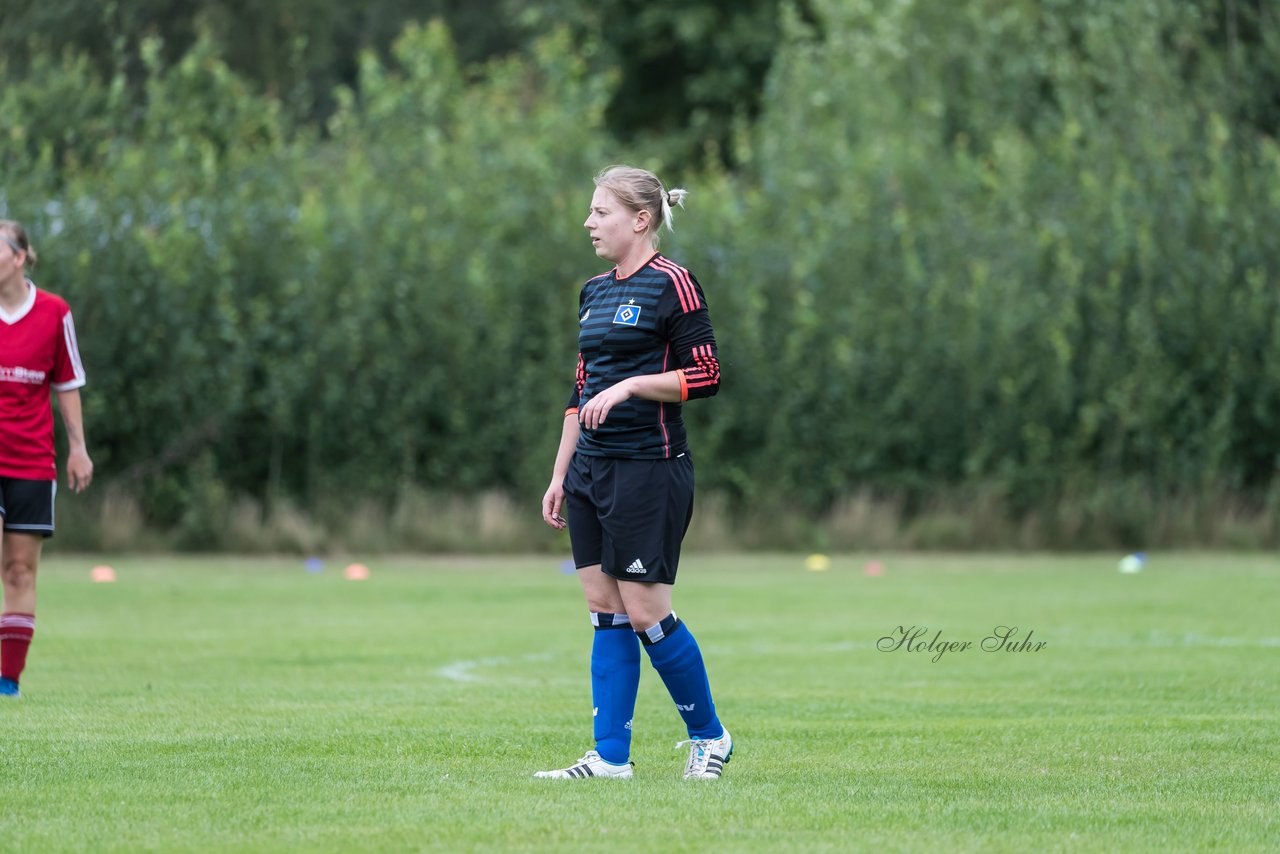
x,y
27,505
629,516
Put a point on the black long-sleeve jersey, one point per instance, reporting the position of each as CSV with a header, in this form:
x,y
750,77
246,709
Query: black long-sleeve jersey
x,y
651,322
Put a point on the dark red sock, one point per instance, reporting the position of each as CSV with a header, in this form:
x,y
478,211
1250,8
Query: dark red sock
x,y
15,639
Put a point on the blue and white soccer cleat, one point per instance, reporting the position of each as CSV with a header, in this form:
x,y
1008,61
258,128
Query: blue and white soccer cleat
x,y
590,765
9,688
707,757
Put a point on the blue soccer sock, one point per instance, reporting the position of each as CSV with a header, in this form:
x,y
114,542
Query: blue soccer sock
x,y
675,655
615,679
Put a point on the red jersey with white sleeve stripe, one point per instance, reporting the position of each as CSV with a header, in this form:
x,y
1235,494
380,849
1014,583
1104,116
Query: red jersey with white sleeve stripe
x,y
38,352
651,322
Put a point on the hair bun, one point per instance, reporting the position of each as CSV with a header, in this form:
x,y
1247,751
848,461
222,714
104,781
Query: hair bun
x,y
676,197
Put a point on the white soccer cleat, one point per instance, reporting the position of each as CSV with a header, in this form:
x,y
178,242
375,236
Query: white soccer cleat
x,y
707,757
590,765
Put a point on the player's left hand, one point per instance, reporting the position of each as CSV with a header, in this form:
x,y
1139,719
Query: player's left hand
x,y
596,410
79,470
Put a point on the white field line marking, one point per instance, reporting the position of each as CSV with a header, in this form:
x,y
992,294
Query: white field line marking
x,y
1197,639
464,670
1157,638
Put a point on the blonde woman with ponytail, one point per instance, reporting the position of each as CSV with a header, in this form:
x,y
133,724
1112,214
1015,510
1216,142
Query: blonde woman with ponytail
x,y
622,482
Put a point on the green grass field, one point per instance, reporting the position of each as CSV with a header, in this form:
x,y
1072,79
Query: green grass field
x,y
247,705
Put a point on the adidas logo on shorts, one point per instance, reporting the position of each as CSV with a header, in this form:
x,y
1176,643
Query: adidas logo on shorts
x,y
636,568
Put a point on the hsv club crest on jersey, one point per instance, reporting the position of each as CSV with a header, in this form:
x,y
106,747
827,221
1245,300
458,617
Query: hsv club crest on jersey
x,y
627,315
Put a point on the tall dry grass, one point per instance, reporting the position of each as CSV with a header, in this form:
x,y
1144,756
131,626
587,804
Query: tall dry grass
x,y
416,521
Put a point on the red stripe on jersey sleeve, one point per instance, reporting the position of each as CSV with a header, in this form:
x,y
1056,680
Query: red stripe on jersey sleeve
x,y
706,372
684,284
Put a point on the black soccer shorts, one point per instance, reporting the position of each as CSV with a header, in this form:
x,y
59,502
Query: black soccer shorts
x,y
27,505
629,516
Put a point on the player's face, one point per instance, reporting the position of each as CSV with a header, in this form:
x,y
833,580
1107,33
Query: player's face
x,y
612,226
10,261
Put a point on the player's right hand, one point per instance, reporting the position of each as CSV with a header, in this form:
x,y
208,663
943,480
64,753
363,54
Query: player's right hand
x,y
552,504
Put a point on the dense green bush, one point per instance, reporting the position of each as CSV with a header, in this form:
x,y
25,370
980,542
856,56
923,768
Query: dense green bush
x,y
1003,271
1002,250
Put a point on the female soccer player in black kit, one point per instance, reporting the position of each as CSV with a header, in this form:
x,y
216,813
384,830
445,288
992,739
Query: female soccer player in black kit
x,y
623,477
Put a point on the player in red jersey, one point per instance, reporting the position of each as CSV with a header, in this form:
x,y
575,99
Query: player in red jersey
x,y
37,353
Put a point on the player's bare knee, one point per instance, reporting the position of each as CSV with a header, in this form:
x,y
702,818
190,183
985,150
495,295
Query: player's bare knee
x,y
603,599
19,574
601,591
605,605
644,618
